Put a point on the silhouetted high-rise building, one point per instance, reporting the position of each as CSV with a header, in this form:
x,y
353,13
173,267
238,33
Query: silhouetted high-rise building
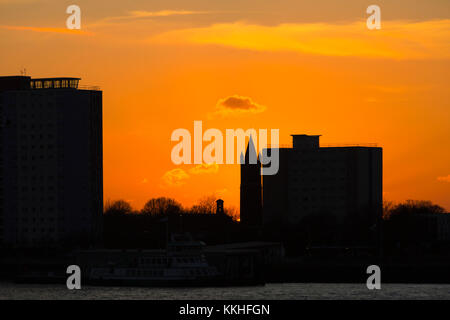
x,y
250,201
51,172
343,183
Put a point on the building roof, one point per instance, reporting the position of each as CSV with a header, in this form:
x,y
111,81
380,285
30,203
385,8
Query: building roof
x,y
11,83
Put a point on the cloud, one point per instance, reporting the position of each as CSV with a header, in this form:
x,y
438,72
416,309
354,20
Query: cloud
x,y
142,14
444,179
177,177
395,39
174,178
237,105
164,13
205,168
47,29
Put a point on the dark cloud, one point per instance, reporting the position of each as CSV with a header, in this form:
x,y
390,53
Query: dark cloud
x,y
235,105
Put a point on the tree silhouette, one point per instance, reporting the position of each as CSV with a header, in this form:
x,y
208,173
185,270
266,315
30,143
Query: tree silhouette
x,y
387,208
415,207
118,207
161,206
206,205
233,212
407,224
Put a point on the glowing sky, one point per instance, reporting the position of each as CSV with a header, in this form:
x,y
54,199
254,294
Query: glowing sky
x,y
307,67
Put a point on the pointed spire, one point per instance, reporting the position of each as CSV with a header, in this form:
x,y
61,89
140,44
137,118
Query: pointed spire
x,y
250,153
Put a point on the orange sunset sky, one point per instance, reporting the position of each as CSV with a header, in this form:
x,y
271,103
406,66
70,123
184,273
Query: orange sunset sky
x,y
310,67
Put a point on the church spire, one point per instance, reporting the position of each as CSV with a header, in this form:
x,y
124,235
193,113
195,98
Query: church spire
x,y
251,198
251,156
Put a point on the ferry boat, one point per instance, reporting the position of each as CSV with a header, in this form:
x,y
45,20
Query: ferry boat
x,y
183,264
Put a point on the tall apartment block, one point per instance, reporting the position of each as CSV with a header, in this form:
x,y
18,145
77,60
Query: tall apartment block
x,y
344,181
51,167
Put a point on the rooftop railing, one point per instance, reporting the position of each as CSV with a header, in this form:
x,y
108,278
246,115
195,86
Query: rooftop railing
x,y
54,83
88,87
343,145
59,83
328,145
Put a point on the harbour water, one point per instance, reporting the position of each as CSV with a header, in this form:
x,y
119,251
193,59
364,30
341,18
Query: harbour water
x,y
282,291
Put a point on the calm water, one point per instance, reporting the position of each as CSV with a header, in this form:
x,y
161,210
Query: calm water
x,y
287,291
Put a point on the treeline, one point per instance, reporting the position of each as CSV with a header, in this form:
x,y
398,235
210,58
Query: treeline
x,y
410,207
408,228
162,206
148,228
415,227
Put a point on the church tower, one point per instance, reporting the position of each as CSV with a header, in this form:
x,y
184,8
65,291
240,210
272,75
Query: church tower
x,y
251,200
